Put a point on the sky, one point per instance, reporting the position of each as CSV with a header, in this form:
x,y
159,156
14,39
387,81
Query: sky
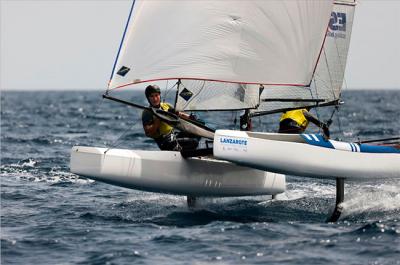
x,y
59,45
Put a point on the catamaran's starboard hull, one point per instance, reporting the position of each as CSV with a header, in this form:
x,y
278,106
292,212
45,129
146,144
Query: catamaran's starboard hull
x,y
169,172
291,154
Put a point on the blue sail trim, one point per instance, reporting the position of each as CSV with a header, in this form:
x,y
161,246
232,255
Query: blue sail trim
x,y
123,38
319,140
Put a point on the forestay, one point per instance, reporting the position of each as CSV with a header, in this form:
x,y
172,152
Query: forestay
x,y
249,42
328,78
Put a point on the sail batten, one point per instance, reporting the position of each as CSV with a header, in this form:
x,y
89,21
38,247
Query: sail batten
x,y
248,42
203,79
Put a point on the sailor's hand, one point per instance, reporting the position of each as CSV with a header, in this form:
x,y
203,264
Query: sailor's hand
x,y
183,115
193,116
325,129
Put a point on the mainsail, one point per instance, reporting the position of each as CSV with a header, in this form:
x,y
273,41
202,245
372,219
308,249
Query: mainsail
x,y
198,95
328,78
276,42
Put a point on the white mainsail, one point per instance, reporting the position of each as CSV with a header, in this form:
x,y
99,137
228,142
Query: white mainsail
x,y
329,74
195,95
331,67
248,42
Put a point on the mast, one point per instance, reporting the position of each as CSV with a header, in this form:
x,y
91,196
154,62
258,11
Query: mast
x,y
178,83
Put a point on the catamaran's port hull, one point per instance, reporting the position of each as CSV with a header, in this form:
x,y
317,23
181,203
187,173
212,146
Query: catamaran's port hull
x,y
289,154
169,172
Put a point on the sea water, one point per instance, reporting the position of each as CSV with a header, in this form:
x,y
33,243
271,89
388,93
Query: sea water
x,y
50,216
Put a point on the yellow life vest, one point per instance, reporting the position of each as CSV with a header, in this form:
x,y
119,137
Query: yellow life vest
x,y
164,128
297,116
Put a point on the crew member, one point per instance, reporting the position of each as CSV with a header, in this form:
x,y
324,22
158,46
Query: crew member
x,y
296,121
160,131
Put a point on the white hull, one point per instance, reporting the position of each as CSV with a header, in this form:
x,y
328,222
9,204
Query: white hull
x,y
169,172
288,154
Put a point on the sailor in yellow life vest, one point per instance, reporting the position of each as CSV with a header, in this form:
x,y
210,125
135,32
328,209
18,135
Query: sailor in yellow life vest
x,y
160,131
296,121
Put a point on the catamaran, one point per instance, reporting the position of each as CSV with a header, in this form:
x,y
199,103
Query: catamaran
x,y
259,57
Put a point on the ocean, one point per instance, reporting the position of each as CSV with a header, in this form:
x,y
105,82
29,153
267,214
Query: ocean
x,y
50,216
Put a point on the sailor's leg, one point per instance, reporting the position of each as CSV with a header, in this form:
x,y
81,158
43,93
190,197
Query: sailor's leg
x,y
191,201
245,121
339,199
187,141
169,142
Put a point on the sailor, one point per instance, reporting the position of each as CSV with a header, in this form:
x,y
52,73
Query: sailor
x,y
296,121
163,133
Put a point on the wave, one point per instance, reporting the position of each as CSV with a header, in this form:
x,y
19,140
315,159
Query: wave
x,y
42,140
381,201
30,172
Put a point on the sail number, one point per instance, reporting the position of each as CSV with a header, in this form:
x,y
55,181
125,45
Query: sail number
x,y
338,21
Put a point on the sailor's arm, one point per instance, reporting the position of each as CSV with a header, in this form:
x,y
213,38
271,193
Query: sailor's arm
x,y
312,118
179,113
151,128
317,122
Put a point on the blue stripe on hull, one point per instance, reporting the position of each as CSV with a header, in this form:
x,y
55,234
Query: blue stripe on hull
x,y
319,140
366,148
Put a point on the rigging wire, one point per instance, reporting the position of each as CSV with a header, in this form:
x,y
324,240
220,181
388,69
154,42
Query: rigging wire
x,y
338,121
330,75
317,103
168,90
342,67
117,142
329,121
